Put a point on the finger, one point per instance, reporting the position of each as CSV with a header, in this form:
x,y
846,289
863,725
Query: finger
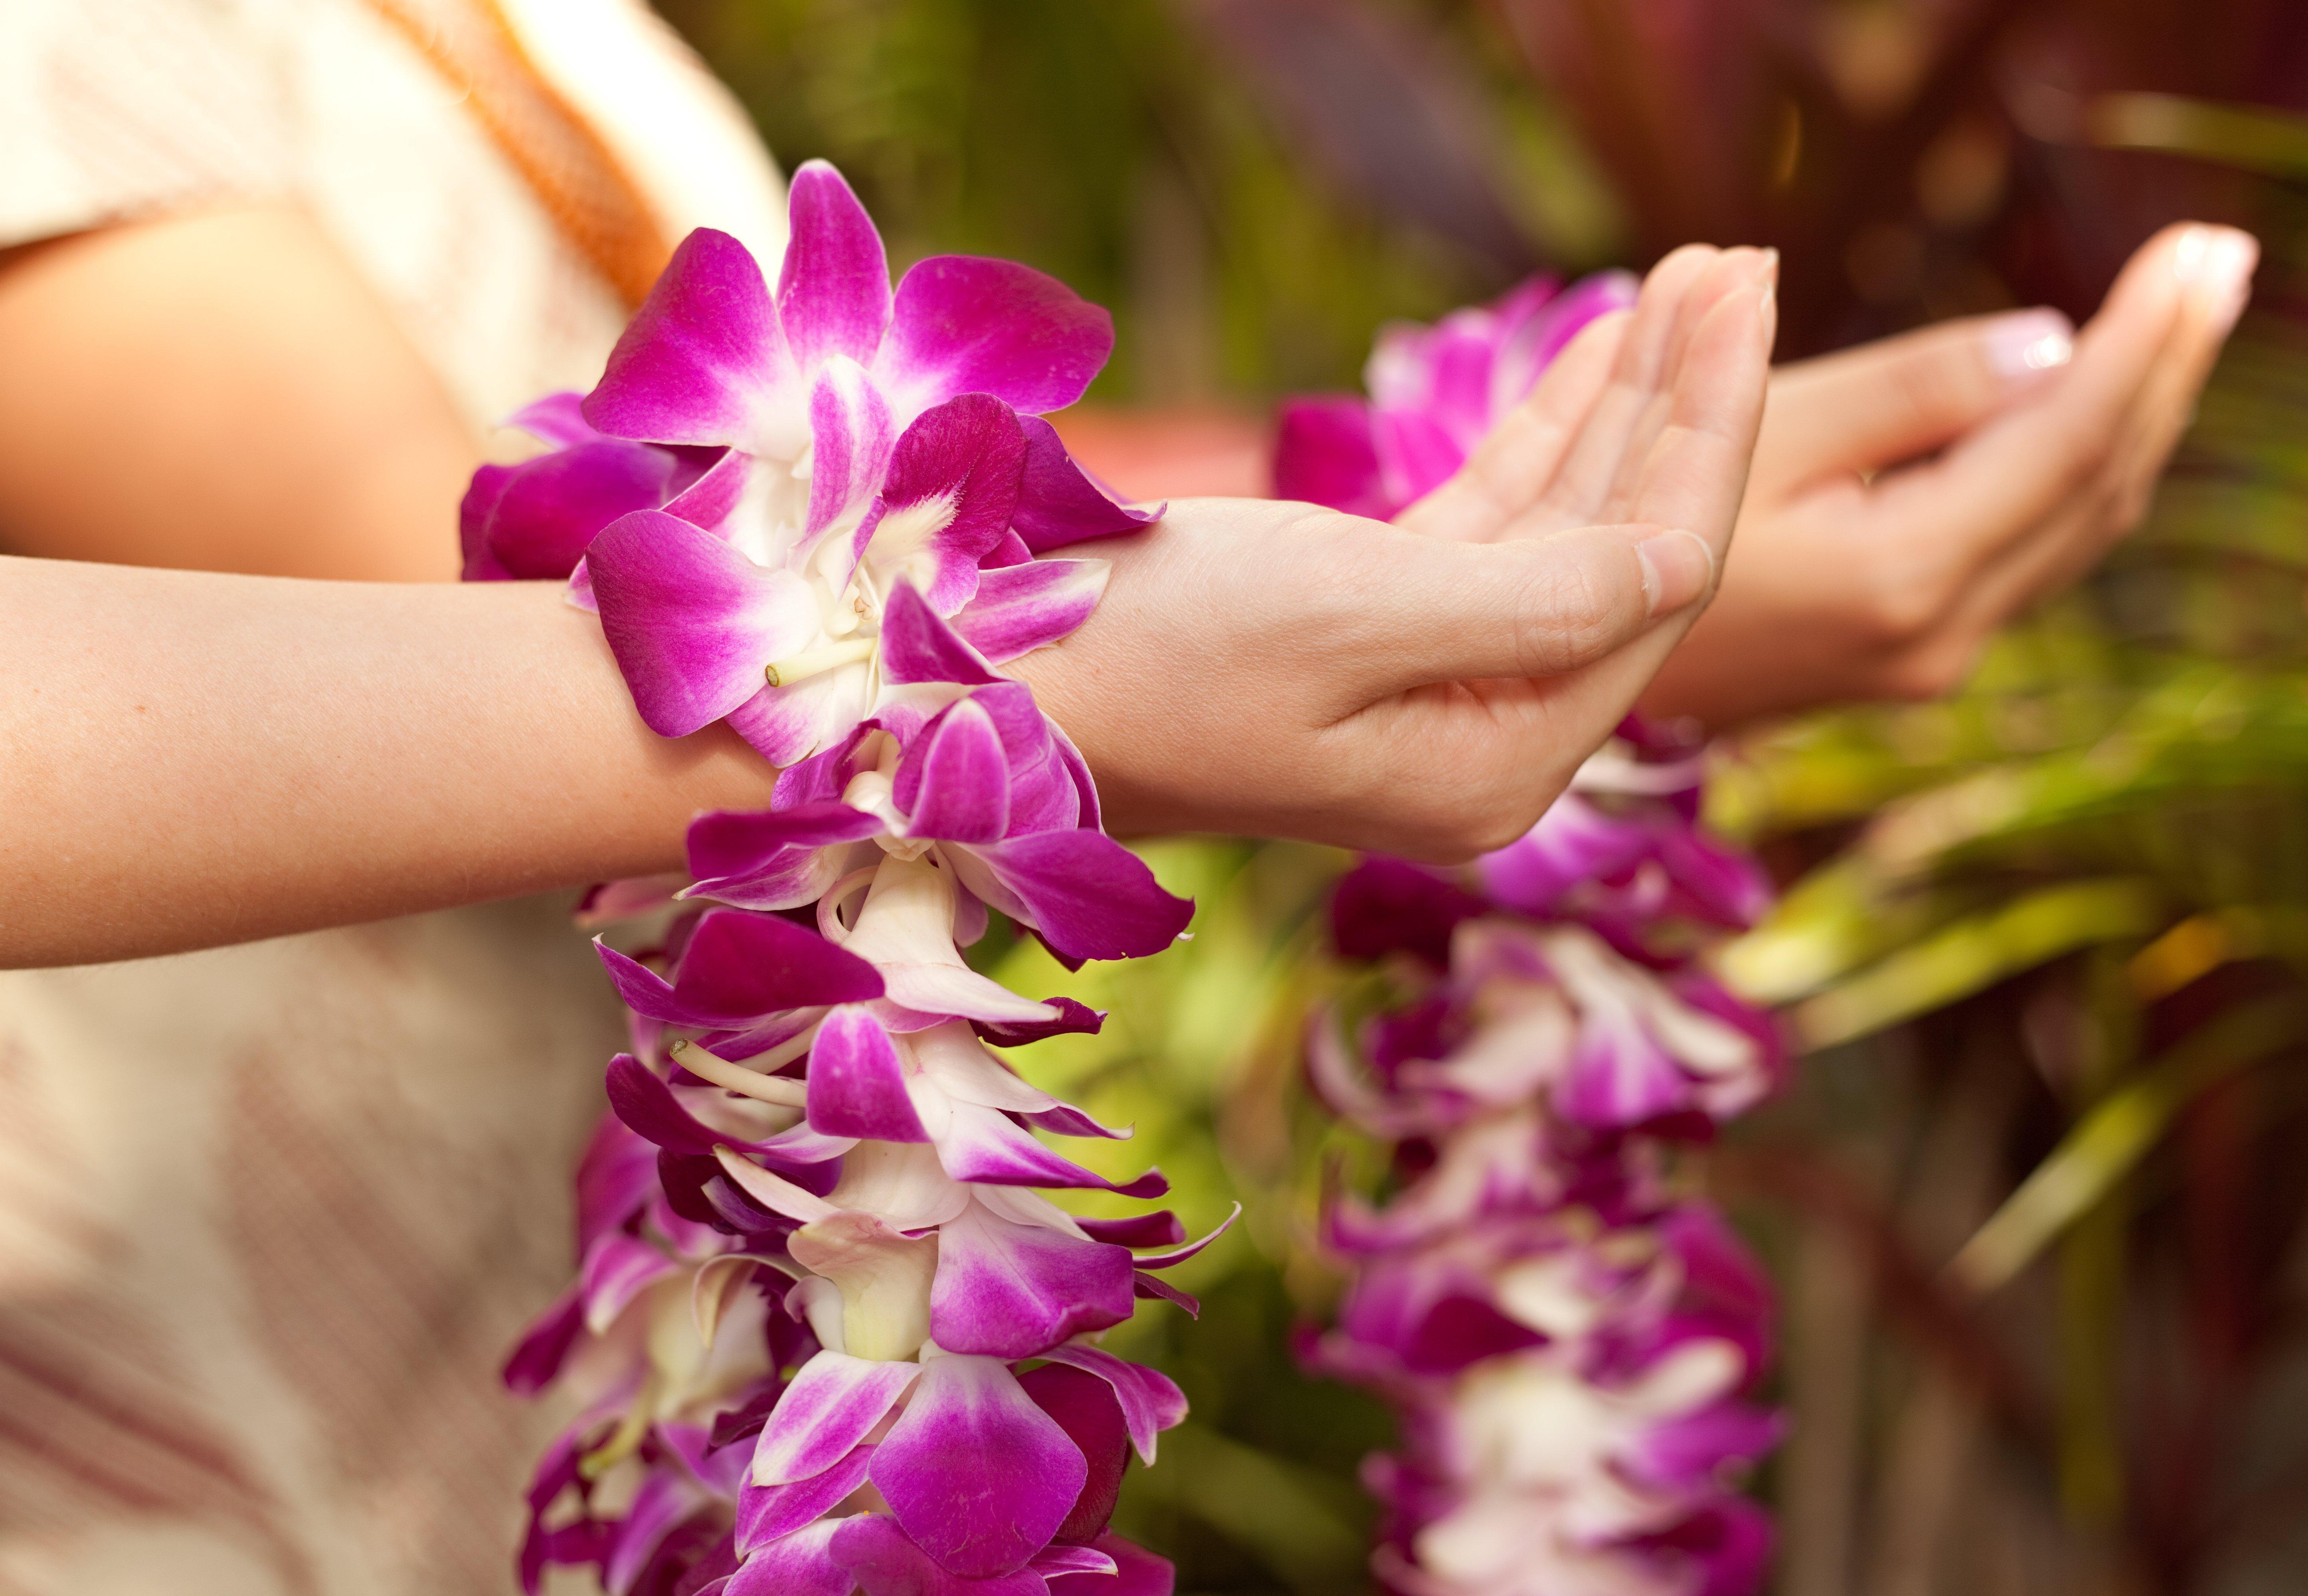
x,y
2218,284
1902,397
2014,474
2037,496
1512,468
1736,275
1421,611
1593,463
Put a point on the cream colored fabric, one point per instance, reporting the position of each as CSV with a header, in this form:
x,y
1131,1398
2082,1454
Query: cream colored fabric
x,y
270,1216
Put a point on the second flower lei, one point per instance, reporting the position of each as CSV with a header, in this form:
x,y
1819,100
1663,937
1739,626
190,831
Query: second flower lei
x,y
829,1335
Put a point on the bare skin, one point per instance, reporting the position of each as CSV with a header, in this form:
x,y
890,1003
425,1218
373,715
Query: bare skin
x,y
325,753
206,758
1910,497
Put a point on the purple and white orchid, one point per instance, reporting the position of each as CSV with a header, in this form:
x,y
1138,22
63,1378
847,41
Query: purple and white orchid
x,y
1570,1342
1434,393
830,1335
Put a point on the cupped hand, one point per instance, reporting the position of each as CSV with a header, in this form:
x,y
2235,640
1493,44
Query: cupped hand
x,y
1428,688
1861,573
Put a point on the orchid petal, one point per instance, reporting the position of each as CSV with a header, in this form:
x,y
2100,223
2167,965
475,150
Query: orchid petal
x,y
835,1400
714,496
1009,1290
833,292
984,1144
1324,454
702,361
1087,1410
884,1562
555,419
543,512
977,1475
1024,607
692,620
1158,1228
544,1345
774,858
1151,1402
1057,1558
918,645
952,488
1155,1289
738,966
1074,1019
797,1565
617,1270
886,1281
785,725
851,434
900,1183
857,1083
773,1191
1088,895
1137,1572
1169,1261
962,324
1059,502
767,1512
905,930
959,778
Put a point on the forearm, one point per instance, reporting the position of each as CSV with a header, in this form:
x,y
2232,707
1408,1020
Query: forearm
x,y
189,760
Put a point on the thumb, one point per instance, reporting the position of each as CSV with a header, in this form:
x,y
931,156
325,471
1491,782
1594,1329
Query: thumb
x,y
1902,397
1527,607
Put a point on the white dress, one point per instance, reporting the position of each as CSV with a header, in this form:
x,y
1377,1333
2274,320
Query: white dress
x,y
270,1215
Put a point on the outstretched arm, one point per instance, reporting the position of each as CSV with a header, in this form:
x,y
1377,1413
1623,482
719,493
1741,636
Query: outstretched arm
x,y
189,758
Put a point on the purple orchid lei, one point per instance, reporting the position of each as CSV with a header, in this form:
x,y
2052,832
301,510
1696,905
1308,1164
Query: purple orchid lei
x,y
828,1334
1570,1339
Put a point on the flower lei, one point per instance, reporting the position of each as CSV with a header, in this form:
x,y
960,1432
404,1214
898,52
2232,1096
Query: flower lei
x,y
828,1334
1570,1342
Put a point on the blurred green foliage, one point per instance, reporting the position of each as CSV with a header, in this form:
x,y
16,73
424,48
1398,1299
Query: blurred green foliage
x,y
1106,143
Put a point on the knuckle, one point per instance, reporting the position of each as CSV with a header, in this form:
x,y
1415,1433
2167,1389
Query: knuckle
x,y
1900,602
1565,613
1923,675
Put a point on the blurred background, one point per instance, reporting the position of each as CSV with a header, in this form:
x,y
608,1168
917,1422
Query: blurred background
x,y
2035,1198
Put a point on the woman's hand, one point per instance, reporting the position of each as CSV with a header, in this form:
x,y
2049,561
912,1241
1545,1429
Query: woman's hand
x,y
1273,669
1859,575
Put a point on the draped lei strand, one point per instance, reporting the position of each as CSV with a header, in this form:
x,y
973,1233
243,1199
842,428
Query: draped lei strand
x,y
828,1334
1570,1337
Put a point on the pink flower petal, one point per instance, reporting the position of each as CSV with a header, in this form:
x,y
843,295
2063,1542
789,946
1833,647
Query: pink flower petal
x,y
1059,502
767,1512
851,436
876,1553
959,784
797,1565
1021,608
703,361
1150,1402
962,324
978,1476
833,294
833,1402
857,1084
692,620
1009,1289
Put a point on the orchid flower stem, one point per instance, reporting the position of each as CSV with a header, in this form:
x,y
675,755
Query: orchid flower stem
x,y
746,1079
812,662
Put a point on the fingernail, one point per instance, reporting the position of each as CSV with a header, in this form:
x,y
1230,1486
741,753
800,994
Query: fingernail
x,y
2216,263
2025,343
1770,277
1678,569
